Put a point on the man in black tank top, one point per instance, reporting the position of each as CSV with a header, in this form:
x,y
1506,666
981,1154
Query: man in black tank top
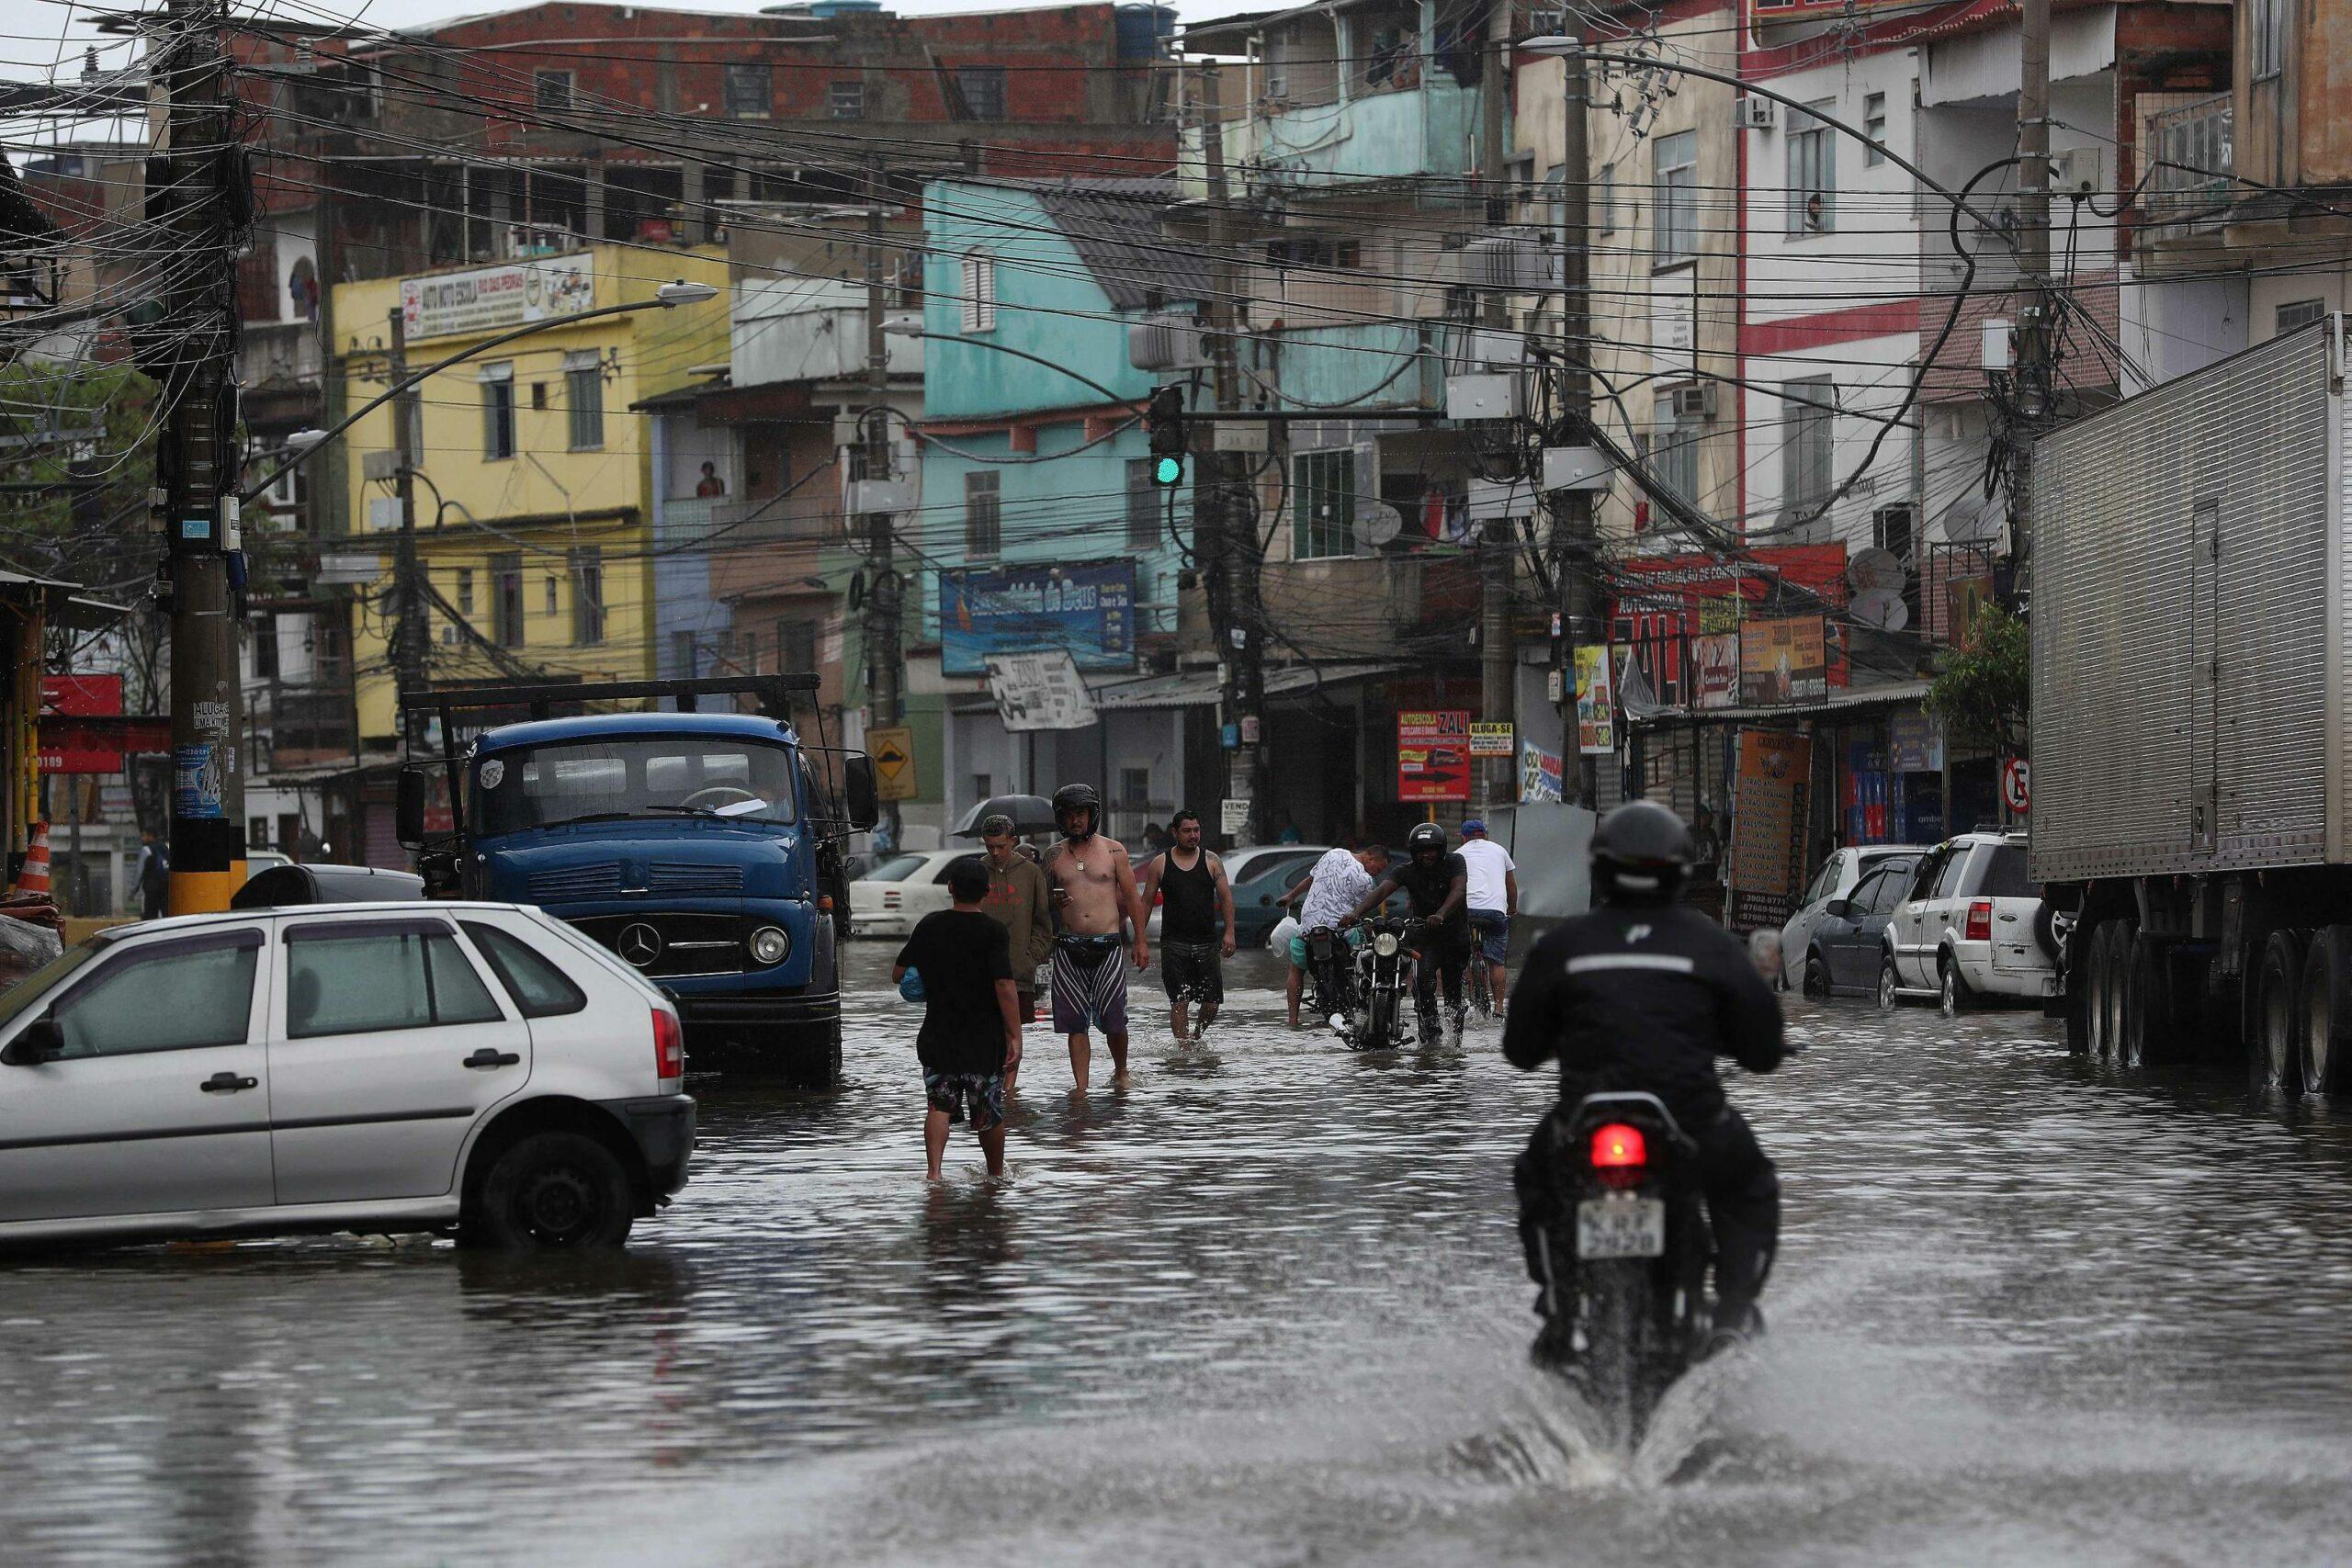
x,y
1191,881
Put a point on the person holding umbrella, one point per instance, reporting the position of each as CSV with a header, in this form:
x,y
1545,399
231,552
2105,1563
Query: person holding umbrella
x,y
1018,901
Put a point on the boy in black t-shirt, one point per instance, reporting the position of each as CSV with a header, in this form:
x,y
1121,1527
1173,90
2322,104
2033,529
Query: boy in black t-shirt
x,y
971,1022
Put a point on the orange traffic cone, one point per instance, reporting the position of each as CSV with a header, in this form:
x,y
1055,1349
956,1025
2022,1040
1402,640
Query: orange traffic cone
x,y
34,878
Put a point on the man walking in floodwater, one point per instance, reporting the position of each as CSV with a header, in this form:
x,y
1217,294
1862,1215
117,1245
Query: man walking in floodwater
x,y
1019,902
1196,897
1094,892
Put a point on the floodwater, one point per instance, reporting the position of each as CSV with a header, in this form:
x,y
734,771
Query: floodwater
x,y
1263,1308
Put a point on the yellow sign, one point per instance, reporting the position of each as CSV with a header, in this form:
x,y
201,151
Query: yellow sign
x,y
1492,739
893,750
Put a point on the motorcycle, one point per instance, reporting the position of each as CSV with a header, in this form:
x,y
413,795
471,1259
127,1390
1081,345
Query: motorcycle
x,y
1385,966
1632,1314
1328,975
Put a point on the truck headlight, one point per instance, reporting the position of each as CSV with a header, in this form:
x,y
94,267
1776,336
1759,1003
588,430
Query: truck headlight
x,y
1385,944
770,943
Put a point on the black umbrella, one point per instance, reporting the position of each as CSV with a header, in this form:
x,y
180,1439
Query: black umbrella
x,y
1030,814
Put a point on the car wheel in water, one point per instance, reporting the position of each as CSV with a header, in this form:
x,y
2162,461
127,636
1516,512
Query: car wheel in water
x,y
554,1191
2274,1054
1889,988
2326,1031
1952,992
1816,978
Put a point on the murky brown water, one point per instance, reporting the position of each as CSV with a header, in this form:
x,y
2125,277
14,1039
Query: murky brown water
x,y
1265,1308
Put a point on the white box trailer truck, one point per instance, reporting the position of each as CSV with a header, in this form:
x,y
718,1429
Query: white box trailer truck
x,y
2192,690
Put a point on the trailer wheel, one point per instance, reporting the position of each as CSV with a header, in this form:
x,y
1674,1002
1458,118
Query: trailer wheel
x,y
2114,953
2275,1054
2326,1031
2088,975
2148,1028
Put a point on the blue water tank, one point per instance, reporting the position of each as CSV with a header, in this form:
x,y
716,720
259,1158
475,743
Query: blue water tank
x,y
1141,29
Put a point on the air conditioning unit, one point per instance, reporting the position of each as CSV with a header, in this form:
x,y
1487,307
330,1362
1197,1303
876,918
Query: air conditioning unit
x,y
1516,261
1756,114
1695,402
1167,343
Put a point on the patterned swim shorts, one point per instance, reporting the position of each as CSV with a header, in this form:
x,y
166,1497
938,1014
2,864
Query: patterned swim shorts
x,y
982,1093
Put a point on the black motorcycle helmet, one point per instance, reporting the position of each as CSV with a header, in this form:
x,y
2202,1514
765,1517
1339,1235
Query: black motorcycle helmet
x,y
1073,798
1425,836
1641,854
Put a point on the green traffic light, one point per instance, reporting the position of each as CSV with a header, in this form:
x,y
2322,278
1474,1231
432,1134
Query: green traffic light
x,y
1167,471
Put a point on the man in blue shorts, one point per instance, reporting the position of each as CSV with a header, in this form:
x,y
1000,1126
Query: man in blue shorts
x,y
1494,899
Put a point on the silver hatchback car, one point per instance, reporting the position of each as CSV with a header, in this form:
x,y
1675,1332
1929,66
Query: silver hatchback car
x,y
374,1067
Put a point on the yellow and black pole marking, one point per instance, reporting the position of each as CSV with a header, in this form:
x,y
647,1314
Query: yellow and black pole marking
x,y
208,836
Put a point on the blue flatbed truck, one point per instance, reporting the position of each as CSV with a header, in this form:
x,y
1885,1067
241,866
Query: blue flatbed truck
x,y
704,848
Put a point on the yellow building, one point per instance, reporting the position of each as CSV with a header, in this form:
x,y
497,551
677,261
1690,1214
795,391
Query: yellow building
x,y
534,480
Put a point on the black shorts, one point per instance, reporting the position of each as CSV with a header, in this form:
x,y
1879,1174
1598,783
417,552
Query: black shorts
x,y
1193,970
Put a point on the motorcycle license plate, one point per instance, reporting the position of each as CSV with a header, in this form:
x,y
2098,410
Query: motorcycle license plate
x,y
1620,1227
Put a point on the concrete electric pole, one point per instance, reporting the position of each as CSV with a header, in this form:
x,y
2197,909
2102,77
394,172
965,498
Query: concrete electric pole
x,y
883,666
1573,533
2036,383
1223,539
411,671
1497,543
194,467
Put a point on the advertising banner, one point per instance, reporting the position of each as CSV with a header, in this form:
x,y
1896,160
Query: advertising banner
x,y
1596,703
1491,739
1715,665
491,299
1539,774
1040,690
1768,815
1785,661
1916,742
1086,609
1433,755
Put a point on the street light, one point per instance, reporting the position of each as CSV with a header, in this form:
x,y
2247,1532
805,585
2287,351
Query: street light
x,y
306,443
911,329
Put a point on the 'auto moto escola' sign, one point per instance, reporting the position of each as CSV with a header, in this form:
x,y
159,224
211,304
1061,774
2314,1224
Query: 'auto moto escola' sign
x,y
487,298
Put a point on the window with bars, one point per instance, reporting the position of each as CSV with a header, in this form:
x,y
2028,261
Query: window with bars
x,y
583,396
497,409
2267,24
983,514
1808,425
980,292
1674,445
982,90
587,594
1674,199
845,99
795,645
1813,173
751,91
506,603
464,591
1323,505
2298,313
551,89
1143,506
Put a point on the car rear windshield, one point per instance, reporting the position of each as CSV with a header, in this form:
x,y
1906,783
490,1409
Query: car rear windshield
x,y
683,776
2003,875
897,868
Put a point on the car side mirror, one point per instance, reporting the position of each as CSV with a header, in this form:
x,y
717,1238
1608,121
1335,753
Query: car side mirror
x,y
857,786
408,809
41,1041
1839,908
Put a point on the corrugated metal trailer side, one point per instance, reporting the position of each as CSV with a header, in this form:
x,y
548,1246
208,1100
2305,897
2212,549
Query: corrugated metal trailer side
x,y
2191,622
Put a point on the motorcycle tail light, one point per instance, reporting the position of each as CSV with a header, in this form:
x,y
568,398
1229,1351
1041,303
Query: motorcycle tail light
x,y
669,1045
1980,920
1617,1146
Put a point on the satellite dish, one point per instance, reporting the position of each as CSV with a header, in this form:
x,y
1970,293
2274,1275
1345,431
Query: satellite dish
x,y
1874,569
1879,607
1377,524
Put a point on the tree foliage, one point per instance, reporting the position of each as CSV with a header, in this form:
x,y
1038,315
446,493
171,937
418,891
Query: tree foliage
x,y
1983,693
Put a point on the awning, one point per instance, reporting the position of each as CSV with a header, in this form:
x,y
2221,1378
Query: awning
x,y
1853,698
1199,688
63,604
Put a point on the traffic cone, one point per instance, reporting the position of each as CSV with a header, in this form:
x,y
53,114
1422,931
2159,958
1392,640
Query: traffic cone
x,y
34,878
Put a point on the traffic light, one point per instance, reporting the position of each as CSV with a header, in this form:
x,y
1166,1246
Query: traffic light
x,y
1165,420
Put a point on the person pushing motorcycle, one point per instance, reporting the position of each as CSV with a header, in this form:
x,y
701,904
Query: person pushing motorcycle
x,y
1643,993
1436,883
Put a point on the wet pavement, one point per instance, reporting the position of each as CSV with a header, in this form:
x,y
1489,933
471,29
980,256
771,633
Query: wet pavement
x,y
1265,1307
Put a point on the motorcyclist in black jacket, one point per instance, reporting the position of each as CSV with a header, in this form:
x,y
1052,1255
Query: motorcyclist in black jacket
x,y
1644,993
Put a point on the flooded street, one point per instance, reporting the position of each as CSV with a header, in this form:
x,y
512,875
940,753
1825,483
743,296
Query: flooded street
x,y
1266,1307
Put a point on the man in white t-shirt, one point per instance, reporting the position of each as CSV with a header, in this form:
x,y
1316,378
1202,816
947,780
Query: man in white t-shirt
x,y
1493,896
1341,879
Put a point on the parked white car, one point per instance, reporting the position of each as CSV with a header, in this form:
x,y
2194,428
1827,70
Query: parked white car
x,y
901,889
372,1068
1838,876
1972,927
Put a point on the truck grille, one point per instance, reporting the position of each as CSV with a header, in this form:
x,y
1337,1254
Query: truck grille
x,y
690,945
576,882
685,877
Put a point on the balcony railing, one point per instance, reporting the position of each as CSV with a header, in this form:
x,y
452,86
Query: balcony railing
x,y
2192,184
721,522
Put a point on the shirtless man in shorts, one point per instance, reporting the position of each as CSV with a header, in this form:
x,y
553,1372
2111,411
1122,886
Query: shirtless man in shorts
x,y
1094,892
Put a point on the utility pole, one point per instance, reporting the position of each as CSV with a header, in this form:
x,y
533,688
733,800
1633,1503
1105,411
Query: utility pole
x,y
1498,545
1223,539
1573,537
409,669
208,844
2035,369
883,669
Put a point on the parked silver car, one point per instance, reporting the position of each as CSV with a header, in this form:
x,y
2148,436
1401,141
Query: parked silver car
x,y
374,1067
1838,878
1973,926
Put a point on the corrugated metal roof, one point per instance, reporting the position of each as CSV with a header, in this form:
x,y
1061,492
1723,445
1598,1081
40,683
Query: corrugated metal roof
x,y
1115,225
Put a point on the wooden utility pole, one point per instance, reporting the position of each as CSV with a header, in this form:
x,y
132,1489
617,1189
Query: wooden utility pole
x,y
1223,539
207,842
1573,535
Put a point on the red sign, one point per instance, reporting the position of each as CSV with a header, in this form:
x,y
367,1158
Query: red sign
x,y
2017,786
82,697
98,744
1433,755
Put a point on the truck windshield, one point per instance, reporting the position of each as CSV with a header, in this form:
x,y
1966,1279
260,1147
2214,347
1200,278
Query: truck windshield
x,y
721,777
